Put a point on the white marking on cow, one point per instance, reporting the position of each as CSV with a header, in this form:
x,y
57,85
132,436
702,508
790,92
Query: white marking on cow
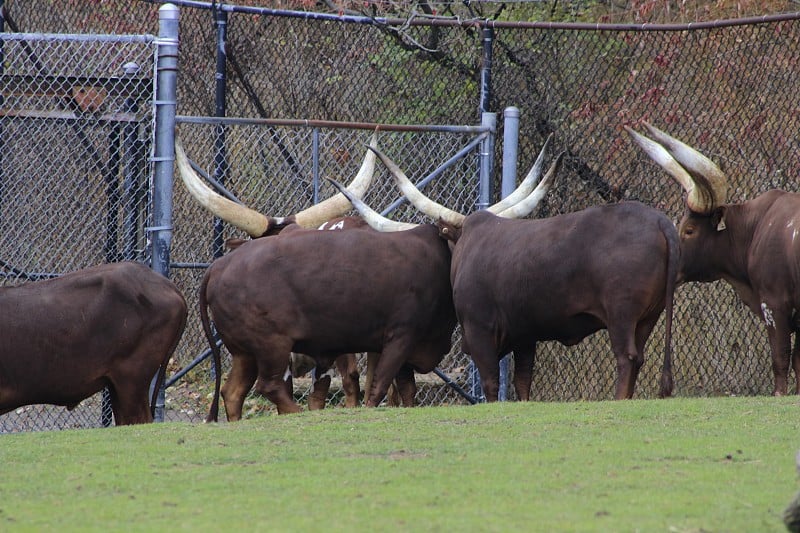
x,y
795,231
288,374
768,318
338,225
323,225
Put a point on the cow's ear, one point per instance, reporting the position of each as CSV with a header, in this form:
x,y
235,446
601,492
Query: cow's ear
x,y
719,218
448,231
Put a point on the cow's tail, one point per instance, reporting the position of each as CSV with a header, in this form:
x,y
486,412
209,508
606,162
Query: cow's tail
x,y
673,262
213,411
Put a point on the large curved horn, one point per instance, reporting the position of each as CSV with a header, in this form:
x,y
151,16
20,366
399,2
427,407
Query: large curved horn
x,y
524,207
244,218
372,217
338,204
434,210
705,184
257,224
706,174
698,198
527,186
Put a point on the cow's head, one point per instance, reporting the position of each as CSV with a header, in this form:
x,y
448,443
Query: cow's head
x,y
518,204
258,225
702,228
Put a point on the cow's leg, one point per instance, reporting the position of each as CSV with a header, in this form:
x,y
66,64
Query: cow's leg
x,y
239,382
391,359
348,369
274,389
629,359
319,391
393,395
130,402
484,355
405,386
523,372
643,331
129,386
274,372
780,342
372,363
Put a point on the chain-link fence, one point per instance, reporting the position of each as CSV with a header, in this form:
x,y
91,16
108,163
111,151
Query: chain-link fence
x,y
722,88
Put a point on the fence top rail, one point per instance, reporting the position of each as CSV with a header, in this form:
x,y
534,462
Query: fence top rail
x,y
77,37
646,27
186,119
424,20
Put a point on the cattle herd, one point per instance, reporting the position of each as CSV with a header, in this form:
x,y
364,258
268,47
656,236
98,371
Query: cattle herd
x,y
398,290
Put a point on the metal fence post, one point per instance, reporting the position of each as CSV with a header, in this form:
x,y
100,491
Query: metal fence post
x,y
489,121
510,147
164,148
486,171
486,69
220,110
507,185
315,163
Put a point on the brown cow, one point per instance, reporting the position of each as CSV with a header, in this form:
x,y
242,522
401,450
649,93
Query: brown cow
x,y
517,282
64,339
323,216
324,293
258,225
754,245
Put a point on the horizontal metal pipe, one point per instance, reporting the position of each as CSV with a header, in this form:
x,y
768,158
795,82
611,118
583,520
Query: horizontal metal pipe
x,y
423,20
371,126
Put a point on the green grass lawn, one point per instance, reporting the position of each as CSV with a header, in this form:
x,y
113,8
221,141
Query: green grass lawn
x,y
707,464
